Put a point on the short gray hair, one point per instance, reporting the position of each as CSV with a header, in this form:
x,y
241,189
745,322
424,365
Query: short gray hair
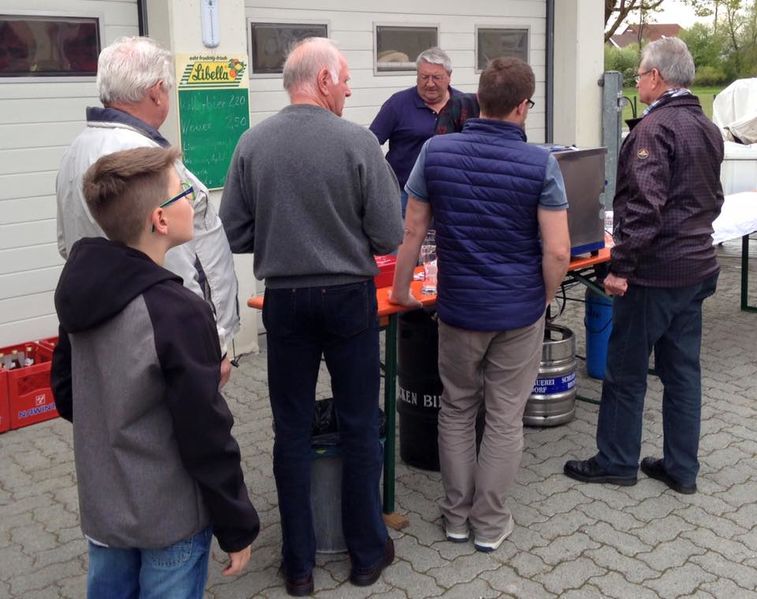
x,y
305,61
129,67
435,56
671,57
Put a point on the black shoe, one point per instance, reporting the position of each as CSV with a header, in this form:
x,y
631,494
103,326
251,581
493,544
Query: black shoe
x,y
653,468
365,578
588,471
300,587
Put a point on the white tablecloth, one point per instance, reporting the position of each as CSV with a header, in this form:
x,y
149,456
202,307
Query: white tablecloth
x,y
738,217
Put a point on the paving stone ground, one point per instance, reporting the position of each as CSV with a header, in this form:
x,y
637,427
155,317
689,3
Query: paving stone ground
x,y
571,540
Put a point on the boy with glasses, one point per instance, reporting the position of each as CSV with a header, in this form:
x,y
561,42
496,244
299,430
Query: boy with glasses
x,y
137,373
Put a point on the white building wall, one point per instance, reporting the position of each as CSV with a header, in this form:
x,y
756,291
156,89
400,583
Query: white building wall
x,y
39,117
352,26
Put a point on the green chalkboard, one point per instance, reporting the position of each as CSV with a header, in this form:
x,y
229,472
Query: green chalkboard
x,y
212,120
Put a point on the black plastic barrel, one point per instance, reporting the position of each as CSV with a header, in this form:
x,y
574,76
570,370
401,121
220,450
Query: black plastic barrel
x,y
419,389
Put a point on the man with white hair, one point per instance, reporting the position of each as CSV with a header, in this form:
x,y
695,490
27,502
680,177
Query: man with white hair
x,y
662,267
311,195
134,82
408,118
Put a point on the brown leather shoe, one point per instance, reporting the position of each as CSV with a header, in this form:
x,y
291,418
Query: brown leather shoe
x,y
300,587
365,578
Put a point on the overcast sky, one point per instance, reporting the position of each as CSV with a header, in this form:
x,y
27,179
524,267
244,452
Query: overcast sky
x,y
675,11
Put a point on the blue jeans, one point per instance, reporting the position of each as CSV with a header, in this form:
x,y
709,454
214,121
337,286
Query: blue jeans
x,y
403,203
339,323
668,321
175,572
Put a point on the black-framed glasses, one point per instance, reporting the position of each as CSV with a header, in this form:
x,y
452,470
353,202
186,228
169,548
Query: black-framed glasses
x,y
640,75
530,103
187,191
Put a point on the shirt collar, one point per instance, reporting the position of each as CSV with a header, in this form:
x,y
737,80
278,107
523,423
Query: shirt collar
x,y
96,114
675,92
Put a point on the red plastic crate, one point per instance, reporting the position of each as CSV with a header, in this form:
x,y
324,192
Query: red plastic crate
x,y
5,423
386,266
48,343
30,399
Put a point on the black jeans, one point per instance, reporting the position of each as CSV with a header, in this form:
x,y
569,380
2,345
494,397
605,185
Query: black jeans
x,y
668,320
340,324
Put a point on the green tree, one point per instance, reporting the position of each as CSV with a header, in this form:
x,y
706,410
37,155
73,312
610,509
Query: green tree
x,y
625,60
705,45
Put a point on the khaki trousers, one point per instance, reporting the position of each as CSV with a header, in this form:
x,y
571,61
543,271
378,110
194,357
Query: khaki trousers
x,y
498,369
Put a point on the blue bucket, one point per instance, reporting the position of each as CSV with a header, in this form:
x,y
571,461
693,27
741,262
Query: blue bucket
x,y
598,322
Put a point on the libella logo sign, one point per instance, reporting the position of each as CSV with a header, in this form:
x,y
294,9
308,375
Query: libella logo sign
x,y
213,72
214,111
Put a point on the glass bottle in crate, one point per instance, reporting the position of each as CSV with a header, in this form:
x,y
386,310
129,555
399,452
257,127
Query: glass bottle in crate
x,y
29,356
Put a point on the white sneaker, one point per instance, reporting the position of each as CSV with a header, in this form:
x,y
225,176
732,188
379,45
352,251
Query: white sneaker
x,y
456,537
489,546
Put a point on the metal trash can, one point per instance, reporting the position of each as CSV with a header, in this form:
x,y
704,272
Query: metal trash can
x,y
326,478
553,399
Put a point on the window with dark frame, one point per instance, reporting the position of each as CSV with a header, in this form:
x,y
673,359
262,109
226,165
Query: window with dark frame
x,y
271,43
498,42
48,46
397,46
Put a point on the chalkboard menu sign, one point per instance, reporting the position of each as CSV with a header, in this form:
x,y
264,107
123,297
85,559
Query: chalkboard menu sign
x,y
214,111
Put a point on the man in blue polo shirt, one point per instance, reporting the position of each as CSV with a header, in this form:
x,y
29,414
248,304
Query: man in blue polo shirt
x,y
408,118
503,247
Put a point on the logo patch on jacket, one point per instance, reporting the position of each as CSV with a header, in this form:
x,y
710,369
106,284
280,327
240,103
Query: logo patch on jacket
x,y
642,154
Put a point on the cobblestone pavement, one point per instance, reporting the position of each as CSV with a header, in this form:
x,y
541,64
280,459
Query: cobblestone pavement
x,y
571,540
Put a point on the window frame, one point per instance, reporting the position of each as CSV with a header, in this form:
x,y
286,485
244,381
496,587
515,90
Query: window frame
x,y
97,15
522,28
399,72
276,21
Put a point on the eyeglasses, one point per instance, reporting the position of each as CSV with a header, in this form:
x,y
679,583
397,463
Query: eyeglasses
x,y
530,102
640,75
434,78
187,191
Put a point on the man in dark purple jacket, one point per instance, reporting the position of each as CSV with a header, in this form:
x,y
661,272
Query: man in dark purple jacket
x,y
662,268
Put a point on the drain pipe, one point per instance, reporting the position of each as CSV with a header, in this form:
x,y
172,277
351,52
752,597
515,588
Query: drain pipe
x,y
549,120
142,17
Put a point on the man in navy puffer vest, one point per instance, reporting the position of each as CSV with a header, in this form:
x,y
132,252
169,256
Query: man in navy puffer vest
x,y
500,214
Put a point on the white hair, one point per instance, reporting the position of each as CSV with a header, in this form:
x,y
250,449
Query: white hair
x,y
435,56
671,57
129,67
305,60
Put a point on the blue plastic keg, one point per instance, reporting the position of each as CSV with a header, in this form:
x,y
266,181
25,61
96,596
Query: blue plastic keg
x,y
598,322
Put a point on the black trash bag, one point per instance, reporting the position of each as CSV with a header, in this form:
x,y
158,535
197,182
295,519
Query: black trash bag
x,y
326,425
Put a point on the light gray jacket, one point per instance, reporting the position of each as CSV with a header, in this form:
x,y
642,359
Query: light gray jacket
x,y
205,263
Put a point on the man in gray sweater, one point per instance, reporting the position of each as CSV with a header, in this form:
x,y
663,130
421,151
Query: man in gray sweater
x,y
312,196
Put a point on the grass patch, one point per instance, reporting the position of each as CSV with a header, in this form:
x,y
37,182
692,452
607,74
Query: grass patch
x,y
705,94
